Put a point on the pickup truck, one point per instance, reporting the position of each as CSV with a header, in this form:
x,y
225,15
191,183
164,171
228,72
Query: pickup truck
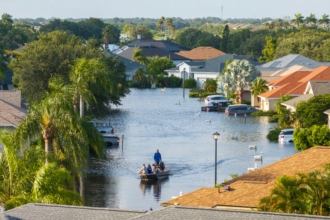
x,y
107,131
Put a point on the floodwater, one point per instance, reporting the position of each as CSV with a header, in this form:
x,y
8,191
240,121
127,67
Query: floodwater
x,y
150,120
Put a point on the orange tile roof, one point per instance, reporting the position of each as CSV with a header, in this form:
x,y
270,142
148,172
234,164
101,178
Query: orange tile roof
x,y
248,189
295,83
201,53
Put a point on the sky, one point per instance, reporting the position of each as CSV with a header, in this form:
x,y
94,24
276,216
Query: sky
x,y
167,8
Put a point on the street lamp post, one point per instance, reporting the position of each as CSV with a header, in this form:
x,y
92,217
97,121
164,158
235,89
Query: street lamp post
x,y
216,136
184,77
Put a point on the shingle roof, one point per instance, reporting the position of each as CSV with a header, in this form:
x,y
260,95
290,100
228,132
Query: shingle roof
x,y
11,111
130,64
295,83
290,60
48,212
320,86
248,189
150,52
163,44
294,102
201,53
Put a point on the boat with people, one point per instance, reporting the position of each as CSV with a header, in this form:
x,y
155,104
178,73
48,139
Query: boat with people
x,y
158,173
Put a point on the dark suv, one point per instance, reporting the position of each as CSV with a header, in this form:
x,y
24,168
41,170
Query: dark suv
x,y
240,109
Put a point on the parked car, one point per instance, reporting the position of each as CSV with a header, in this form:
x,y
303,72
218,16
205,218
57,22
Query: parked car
x,y
239,109
212,99
286,136
110,140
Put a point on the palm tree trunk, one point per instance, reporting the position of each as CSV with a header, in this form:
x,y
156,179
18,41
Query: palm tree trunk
x,y
82,107
48,148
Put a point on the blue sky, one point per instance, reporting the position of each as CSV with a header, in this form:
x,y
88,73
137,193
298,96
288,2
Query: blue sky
x,y
167,8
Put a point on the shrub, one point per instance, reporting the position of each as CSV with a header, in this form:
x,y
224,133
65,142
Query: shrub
x,y
174,82
190,83
247,102
264,113
273,134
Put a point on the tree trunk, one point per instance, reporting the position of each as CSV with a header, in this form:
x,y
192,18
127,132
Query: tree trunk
x,y
48,148
81,184
240,95
82,107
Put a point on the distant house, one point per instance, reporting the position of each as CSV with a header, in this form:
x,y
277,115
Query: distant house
x,y
7,82
293,84
131,66
11,109
245,192
287,65
151,48
208,69
201,53
315,87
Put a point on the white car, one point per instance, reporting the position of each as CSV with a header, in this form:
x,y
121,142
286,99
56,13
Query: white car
x,y
286,136
211,99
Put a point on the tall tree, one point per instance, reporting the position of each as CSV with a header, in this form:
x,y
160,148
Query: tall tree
x,y
110,35
268,53
144,32
170,26
324,20
298,20
311,20
225,39
129,30
160,23
138,56
240,74
156,67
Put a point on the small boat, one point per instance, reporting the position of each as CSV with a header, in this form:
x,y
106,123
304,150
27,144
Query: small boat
x,y
155,176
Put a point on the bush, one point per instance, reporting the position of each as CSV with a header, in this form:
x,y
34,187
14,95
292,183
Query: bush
x,y
133,84
264,113
247,102
273,134
174,82
190,83
199,90
202,94
273,119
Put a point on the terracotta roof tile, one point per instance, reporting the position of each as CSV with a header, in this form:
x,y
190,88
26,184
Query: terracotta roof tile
x,y
248,189
201,53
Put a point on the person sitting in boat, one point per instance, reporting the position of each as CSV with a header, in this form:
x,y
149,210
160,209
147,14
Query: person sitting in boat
x,y
157,170
161,166
149,170
143,169
157,157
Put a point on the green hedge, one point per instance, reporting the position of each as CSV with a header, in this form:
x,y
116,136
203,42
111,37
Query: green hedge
x,y
264,113
202,94
273,134
190,83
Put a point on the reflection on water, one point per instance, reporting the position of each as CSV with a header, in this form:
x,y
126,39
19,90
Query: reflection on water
x,y
153,186
151,120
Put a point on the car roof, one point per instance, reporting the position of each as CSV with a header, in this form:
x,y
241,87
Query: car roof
x,y
288,129
237,105
215,96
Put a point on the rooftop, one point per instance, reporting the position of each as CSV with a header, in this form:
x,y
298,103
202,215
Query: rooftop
x,y
201,53
43,211
247,190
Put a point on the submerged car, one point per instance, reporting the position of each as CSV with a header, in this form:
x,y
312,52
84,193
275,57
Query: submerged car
x,y
239,109
286,136
213,99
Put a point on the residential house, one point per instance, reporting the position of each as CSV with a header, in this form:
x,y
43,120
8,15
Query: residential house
x,y
245,192
7,82
293,84
315,87
201,53
11,109
131,66
287,65
208,69
151,48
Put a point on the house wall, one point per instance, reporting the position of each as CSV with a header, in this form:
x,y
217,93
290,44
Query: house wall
x,y
267,104
329,121
7,87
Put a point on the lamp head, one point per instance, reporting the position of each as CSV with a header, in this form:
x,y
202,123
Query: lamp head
x,y
216,135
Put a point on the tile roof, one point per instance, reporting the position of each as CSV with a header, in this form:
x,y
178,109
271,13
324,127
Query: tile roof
x,y
201,53
43,211
295,83
248,189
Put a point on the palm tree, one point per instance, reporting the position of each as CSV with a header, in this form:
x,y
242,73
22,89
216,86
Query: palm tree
x,y
140,77
138,56
279,23
239,74
210,85
169,24
324,20
299,19
311,20
160,24
25,179
259,86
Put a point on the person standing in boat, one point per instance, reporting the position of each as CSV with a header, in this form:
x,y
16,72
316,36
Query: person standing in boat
x,y
157,157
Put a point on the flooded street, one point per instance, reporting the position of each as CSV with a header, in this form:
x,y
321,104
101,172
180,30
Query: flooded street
x,y
151,120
